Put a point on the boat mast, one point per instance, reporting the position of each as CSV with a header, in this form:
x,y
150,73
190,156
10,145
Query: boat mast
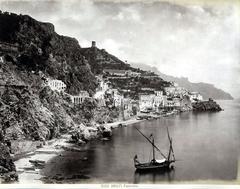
x,y
170,150
151,143
170,147
153,150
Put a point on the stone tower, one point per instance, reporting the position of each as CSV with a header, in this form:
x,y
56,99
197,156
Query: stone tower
x,y
93,44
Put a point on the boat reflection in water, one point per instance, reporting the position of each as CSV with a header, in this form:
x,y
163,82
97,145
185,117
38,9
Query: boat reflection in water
x,y
154,176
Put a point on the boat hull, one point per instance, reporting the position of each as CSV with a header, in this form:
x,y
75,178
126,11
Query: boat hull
x,y
152,166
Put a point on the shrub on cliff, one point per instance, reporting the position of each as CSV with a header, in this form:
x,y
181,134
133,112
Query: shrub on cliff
x,y
23,116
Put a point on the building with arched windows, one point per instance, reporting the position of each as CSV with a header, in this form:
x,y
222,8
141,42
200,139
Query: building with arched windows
x,y
79,99
56,85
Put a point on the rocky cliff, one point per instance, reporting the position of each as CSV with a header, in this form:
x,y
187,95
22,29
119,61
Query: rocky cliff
x,y
7,167
209,105
39,49
30,52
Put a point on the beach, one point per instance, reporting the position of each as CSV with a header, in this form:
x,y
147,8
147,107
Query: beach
x,y
28,173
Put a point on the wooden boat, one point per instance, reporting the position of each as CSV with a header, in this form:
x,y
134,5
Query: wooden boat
x,y
154,164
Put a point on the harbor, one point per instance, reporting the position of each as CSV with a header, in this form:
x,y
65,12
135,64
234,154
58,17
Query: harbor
x,y
112,161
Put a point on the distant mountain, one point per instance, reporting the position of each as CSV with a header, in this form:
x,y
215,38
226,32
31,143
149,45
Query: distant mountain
x,y
207,90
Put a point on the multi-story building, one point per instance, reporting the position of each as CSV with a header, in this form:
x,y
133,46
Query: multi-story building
x,y
157,100
103,84
56,85
170,91
79,99
146,101
195,96
151,101
117,98
100,97
177,102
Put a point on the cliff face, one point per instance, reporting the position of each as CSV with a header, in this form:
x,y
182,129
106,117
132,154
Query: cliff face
x,y
206,90
40,50
32,51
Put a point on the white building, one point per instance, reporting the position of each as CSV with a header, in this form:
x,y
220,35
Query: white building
x,y
146,101
195,96
177,102
79,99
168,102
158,93
99,96
56,84
118,98
151,101
102,84
158,99
116,95
170,91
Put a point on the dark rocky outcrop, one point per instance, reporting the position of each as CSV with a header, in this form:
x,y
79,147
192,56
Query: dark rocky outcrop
x,y
209,105
7,167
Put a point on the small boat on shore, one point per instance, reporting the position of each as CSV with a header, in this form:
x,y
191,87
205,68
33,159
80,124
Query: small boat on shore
x,y
155,164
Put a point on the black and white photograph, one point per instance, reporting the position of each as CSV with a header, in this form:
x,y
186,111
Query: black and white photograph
x,y
119,93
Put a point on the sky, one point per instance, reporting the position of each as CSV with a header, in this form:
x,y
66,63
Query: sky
x,y
198,40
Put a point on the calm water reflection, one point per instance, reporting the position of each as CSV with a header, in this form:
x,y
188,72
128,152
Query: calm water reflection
x,y
206,145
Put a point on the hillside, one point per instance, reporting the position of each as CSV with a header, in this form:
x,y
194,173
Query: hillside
x,y
100,60
207,90
35,47
30,52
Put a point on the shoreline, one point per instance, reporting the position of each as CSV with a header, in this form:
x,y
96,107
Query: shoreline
x,y
126,122
28,173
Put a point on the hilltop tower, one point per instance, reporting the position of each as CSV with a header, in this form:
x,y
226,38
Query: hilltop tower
x,y
93,44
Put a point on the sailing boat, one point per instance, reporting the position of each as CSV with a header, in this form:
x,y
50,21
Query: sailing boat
x,y
155,164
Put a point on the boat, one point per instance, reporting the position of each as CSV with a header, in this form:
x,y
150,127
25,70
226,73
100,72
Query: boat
x,y
155,164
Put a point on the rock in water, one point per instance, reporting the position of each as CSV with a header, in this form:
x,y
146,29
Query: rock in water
x,y
209,105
